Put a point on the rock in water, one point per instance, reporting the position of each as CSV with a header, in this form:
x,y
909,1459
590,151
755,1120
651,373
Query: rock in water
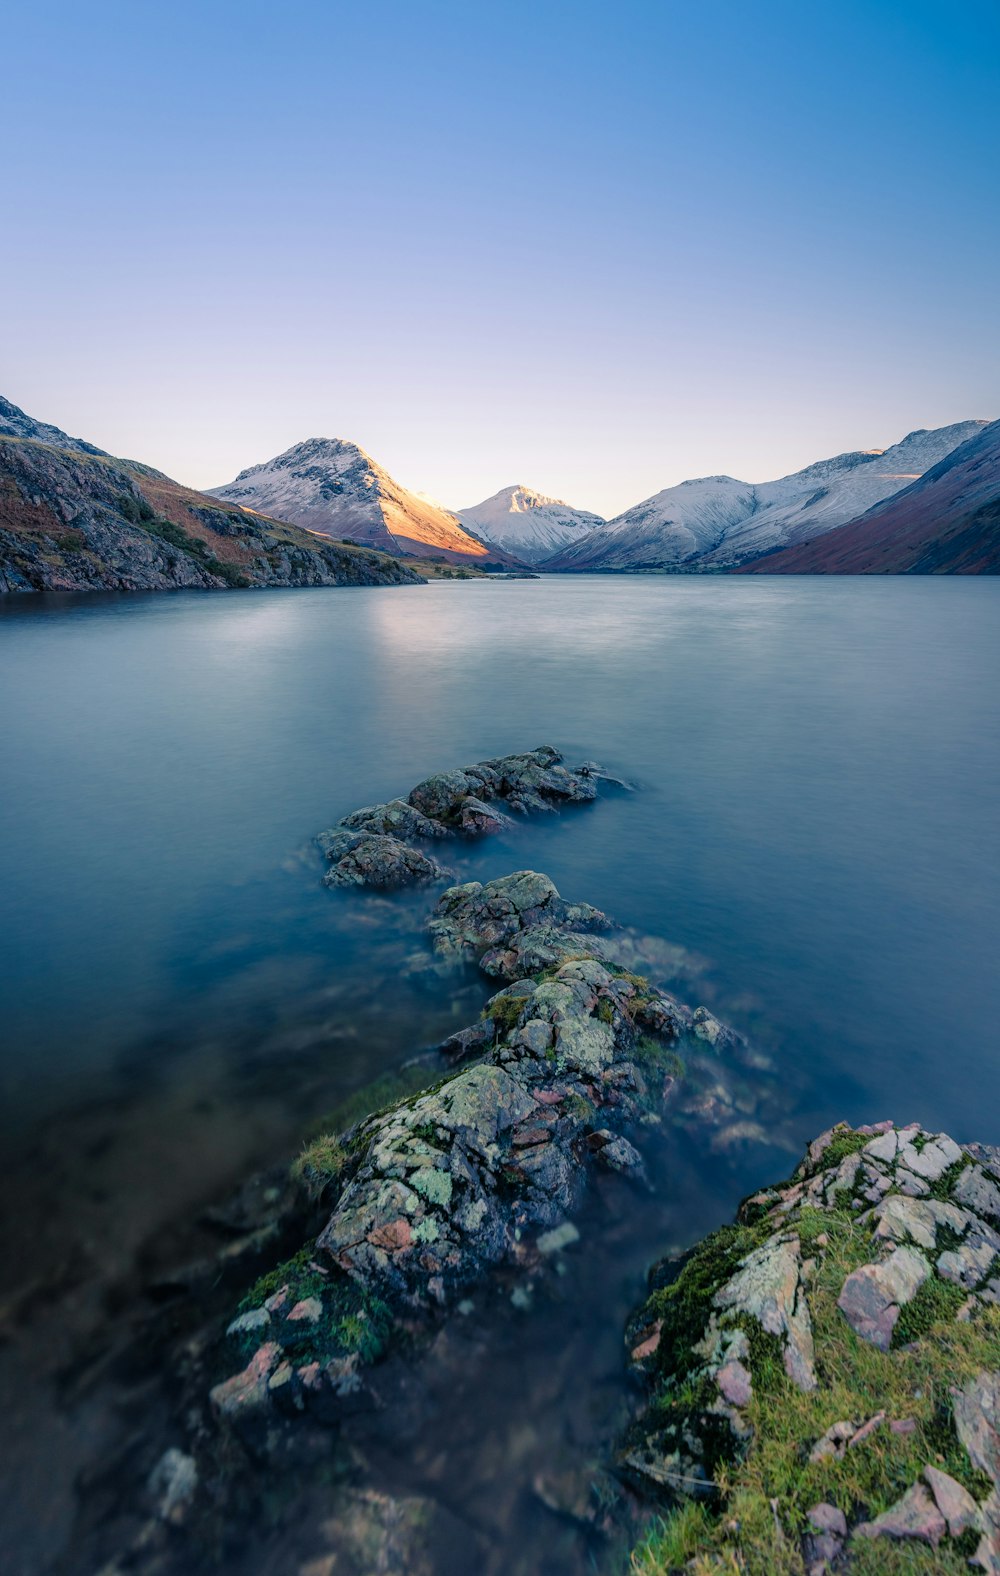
x,y
369,846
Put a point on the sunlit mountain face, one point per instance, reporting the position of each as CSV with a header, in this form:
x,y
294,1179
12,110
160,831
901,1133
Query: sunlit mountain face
x,y
333,487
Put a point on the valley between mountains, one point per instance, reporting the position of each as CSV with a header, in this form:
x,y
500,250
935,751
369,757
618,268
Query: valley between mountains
x,y
325,513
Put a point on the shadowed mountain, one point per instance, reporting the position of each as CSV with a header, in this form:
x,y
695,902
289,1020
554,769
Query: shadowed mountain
x,y
73,518
335,488
717,522
948,522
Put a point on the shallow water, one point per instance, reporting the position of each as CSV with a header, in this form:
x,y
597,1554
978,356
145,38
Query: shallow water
x,y
818,764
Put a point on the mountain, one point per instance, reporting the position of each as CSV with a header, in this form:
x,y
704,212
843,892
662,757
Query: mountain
x,y
675,527
948,522
718,523
336,489
14,423
72,518
526,523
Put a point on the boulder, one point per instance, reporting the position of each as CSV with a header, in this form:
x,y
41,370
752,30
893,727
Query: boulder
x,y
372,860
873,1295
914,1516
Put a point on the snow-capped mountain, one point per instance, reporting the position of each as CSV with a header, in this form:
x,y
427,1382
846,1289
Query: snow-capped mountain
x,y
527,523
718,522
673,527
948,522
333,487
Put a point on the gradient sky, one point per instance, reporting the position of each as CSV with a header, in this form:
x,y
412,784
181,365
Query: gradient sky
x,y
593,247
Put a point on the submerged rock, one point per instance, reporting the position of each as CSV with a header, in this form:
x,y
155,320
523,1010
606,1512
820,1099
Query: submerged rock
x,y
373,860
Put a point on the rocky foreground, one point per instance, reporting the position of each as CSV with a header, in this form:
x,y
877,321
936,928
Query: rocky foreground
x,y
820,1382
824,1376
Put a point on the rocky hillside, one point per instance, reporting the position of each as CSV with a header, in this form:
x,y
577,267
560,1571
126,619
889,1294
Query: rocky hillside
x,y
74,519
333,487
526,523
948,522
822,1377
717,522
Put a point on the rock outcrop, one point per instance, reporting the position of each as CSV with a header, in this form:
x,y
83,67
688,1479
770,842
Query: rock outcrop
x,y
484,1168
867,1285
373,847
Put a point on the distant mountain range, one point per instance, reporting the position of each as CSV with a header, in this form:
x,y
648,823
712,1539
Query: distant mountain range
x,y
526,523
334,488
325,513
72,518
947,522
718,523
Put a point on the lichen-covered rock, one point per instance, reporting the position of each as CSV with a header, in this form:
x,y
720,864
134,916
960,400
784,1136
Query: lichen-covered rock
x,y
767,1287
445,1184
873,1295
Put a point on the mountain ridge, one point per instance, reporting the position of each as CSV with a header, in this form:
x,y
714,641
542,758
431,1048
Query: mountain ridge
x,y
719,522
945,522
333,487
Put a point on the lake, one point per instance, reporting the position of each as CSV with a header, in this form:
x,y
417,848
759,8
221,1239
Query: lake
x,y
817,765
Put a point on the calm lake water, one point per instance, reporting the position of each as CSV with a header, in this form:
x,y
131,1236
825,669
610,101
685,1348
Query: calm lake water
x,y
819,772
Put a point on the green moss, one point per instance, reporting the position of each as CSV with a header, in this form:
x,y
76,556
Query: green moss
x,y
670,1543
657,1056
319,1164
578,1108
936,1302
295,1273
945,1184
504,1011
427,1132
605,1010
683,1307
353,1319
843,1145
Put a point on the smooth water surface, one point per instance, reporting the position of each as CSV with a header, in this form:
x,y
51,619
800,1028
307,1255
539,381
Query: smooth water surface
x,y
819,768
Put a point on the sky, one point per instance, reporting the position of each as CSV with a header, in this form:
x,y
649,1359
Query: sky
x,y
595,248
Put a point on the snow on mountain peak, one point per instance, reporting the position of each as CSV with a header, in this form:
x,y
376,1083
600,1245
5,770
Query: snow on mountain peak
x,y
717,521
527,523
331,486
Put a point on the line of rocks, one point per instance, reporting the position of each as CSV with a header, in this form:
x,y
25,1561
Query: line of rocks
x,y
375,846
487,1166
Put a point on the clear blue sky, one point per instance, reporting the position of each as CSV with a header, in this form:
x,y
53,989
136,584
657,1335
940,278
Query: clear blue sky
x,y
593,247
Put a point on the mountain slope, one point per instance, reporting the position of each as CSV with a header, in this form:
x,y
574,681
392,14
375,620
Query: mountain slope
x,y
948,522
15,423
526,523
673,527
333,487
75,519
719,523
